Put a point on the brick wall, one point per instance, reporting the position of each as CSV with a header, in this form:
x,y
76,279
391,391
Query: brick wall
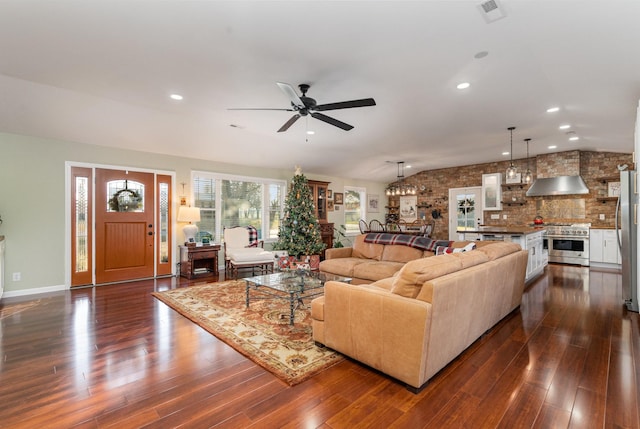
x,y
433,187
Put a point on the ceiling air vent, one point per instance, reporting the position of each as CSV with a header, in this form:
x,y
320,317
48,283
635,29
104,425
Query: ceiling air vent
x,y
491,10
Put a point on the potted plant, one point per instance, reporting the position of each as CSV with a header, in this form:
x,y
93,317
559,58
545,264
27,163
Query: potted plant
x,y
340,234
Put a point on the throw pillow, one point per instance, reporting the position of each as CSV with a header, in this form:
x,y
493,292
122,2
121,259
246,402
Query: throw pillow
x,y
441,250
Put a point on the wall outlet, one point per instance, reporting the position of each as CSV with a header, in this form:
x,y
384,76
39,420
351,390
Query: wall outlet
x,y
601,216
17,277
495,216
504,216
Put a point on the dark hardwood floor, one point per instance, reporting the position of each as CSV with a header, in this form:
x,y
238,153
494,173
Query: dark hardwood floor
x,y
114,356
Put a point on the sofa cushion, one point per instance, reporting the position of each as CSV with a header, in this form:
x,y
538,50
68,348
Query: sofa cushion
x,y
412,276
441,250
463,243
341,266
469,259
385,283
366,250
250,254
400,253
498,249
374,270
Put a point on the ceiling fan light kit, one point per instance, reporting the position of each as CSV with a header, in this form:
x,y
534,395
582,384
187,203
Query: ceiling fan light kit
x,y
307,106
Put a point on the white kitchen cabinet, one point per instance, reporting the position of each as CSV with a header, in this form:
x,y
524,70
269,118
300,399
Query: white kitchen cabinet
x,y
537,260
532,242
603,247
492,191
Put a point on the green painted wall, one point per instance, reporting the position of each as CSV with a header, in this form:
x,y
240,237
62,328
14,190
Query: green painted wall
x,y
32,199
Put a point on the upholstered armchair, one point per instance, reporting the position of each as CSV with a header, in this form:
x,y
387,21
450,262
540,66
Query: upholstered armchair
x,y
243,250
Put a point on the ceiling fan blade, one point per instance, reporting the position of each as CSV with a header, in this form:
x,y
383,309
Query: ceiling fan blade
x,y
332,121
291,93
290,122
346,104
258,108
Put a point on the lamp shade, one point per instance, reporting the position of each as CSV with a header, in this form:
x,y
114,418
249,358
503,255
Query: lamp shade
x,y
188,214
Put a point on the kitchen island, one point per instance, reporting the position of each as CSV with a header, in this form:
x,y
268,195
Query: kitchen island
x,y
529,238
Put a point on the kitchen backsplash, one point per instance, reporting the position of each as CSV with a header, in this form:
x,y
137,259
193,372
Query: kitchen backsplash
x,y
574,208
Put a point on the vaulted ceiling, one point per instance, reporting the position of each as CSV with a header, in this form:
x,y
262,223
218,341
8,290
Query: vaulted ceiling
x,y
101,72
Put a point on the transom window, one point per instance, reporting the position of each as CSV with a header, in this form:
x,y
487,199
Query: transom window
x,y
227,201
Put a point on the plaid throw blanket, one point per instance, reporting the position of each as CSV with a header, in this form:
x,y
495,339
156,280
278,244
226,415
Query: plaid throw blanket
x,y
253,236
415,241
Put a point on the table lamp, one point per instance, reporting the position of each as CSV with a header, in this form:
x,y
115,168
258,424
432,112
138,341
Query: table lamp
x,y
189,214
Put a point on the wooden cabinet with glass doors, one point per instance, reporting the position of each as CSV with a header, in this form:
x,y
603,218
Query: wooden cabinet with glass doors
x,y
319,194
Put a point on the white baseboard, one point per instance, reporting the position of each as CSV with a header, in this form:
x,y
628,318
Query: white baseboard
x,y
33,291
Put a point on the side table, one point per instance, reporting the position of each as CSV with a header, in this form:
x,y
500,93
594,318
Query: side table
x,y
198,262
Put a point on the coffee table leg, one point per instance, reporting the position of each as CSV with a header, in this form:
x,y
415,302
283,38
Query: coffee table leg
x,y
247,299
292,300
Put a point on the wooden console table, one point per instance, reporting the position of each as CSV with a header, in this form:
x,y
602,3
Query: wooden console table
x,y
199,262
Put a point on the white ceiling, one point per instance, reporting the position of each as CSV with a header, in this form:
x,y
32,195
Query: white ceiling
x,y
100,72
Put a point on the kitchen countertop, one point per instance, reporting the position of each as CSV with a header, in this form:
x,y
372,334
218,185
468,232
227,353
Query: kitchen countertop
x,y
509,229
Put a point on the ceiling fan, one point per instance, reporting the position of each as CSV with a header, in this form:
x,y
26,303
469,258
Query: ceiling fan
x,y
304,106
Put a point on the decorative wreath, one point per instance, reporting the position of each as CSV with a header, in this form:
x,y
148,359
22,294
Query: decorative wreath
x,y
133,204
465,205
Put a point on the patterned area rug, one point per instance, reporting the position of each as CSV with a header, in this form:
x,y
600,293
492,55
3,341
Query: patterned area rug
x,y
262,333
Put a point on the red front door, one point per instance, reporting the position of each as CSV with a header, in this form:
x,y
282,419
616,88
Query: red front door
x,y
124,209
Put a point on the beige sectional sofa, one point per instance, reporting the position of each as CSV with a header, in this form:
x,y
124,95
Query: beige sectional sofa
x,y
412,325
368,262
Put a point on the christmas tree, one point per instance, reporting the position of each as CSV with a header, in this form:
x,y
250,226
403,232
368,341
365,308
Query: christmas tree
x,y
299,232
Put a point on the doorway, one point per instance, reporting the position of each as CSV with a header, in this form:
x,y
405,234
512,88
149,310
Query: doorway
x,y
465,211
120,225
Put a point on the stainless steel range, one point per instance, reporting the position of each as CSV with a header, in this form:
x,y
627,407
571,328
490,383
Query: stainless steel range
x,y
568,243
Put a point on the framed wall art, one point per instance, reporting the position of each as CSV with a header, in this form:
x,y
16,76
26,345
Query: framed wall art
x,y
329,205
338,198
408,210
613,189
373,203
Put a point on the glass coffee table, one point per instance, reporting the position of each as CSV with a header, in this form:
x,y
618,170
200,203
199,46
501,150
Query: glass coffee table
x,y
294,286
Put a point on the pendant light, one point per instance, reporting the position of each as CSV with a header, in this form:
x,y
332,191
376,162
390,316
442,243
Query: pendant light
x,y
528,176
512,170
400,187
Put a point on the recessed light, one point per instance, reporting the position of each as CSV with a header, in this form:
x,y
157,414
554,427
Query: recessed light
x,y
463,85
311,132
407,166
552,147
564,127
574,138
505,153
176,97
481,54
553,109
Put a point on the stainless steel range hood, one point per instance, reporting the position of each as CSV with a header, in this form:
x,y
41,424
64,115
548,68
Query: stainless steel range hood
x,y
560,185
